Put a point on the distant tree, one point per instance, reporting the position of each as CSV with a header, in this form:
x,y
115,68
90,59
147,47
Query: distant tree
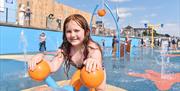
x,y
145,33
154,33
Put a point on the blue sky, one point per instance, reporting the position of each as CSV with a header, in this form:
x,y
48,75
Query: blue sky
x,y
136,13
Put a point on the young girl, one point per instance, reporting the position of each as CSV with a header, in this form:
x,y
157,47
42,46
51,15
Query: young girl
x,y
77,49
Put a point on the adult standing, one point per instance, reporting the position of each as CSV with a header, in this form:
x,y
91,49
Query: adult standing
x,y
50,19
21,14
28,16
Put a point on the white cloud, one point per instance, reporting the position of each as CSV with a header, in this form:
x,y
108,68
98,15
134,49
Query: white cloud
x,y
123,10
172,29
120,1
144,21
153,15
123,13
109,23
138,8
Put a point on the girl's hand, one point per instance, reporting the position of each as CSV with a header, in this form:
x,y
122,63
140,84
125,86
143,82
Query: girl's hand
x,y
59,53
36,59
92,64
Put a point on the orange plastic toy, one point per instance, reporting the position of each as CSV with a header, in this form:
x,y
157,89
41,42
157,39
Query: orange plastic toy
x,y
92,79
75,80
41,71
101,12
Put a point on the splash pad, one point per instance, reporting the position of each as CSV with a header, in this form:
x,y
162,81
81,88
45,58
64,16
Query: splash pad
x,y
101,13
161,83
80,81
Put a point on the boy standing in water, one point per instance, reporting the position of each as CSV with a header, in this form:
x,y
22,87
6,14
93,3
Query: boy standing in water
x,y
77,49
42,44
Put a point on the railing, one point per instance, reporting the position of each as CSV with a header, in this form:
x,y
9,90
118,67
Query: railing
x,y
8,15
11,17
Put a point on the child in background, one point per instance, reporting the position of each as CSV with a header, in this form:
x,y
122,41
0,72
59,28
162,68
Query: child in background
x,y
42,44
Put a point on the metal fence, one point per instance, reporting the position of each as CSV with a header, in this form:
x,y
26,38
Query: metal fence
x,y
8,15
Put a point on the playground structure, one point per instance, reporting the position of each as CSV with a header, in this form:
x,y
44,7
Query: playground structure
x,y
152,28
101,13
80,81
116,63
42,68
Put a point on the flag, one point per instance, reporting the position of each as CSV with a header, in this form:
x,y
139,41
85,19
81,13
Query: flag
x,y
9,1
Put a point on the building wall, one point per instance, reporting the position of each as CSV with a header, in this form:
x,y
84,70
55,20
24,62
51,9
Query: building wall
x,y
41,9
19,40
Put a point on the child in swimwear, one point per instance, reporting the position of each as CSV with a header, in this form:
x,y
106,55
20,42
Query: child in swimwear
x,y
77,49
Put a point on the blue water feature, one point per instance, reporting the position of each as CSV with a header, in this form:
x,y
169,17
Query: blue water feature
x,y
134,45
10,40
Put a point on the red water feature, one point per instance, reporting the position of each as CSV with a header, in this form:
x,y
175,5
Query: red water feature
x,y
162,82
172,55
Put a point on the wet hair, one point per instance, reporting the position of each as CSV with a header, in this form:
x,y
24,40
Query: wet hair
x,y
66,46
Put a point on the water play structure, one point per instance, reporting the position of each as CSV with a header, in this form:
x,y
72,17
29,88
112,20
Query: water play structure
x,y
152,27
101,13
41,71
80,81
162,73
162,84
114,68
92,79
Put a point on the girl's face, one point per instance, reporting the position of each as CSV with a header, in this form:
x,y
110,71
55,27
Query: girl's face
x,y
74,33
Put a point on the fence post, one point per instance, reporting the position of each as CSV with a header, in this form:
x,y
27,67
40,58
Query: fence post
x,y
6,15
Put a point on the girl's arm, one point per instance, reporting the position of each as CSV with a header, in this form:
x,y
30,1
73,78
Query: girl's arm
x,y
57,61
54,64
94,61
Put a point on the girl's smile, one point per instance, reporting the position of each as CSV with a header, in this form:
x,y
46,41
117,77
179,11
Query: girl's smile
x,y
74,33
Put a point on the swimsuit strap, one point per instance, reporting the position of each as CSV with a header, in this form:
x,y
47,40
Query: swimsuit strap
x,y
80,66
